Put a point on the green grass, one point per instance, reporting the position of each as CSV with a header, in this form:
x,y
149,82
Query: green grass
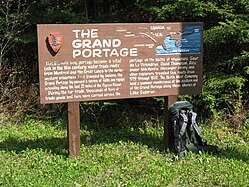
x,y
35,154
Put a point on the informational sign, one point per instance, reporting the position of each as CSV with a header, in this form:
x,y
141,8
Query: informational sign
x,y
85,62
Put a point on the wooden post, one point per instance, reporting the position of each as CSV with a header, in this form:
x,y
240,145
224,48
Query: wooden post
x,y
73,129
168,131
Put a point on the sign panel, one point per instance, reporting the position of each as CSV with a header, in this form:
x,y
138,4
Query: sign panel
x,y
84,62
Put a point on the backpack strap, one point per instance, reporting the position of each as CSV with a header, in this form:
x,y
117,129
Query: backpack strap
x,y
193,116
194,124
184,122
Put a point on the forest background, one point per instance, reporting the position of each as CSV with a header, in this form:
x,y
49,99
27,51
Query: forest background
x,y
226,57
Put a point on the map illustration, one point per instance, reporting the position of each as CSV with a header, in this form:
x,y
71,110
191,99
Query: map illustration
x,y
166,39
189,42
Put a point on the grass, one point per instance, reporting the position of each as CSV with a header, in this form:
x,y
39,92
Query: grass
x,y
35,154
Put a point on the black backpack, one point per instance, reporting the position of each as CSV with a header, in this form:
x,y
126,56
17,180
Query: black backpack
x,y
187,135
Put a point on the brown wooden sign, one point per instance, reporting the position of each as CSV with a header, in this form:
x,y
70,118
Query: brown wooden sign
x,y
84,62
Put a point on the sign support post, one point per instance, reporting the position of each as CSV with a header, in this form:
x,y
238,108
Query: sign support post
x,y
168,131
73,131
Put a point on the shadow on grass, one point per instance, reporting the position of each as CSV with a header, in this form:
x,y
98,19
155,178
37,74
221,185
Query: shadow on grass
x,y
53,145
90,137
233,153
113,135
95,136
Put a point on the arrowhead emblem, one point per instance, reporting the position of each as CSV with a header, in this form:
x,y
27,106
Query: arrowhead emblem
x,y
55,41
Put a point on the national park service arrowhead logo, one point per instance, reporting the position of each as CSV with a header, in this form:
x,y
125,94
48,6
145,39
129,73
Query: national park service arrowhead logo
x,y
55,40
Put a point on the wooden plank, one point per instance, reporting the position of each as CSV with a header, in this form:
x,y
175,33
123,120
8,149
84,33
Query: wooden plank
x,y
89,62
73,130
168,131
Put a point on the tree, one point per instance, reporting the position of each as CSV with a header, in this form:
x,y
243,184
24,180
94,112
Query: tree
x,y
13,15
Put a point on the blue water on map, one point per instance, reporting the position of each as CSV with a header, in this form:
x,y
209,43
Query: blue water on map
x,y
189,42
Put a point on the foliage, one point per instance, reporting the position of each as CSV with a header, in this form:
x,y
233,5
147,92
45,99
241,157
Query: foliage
x,y
13,15
223,96
34,154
